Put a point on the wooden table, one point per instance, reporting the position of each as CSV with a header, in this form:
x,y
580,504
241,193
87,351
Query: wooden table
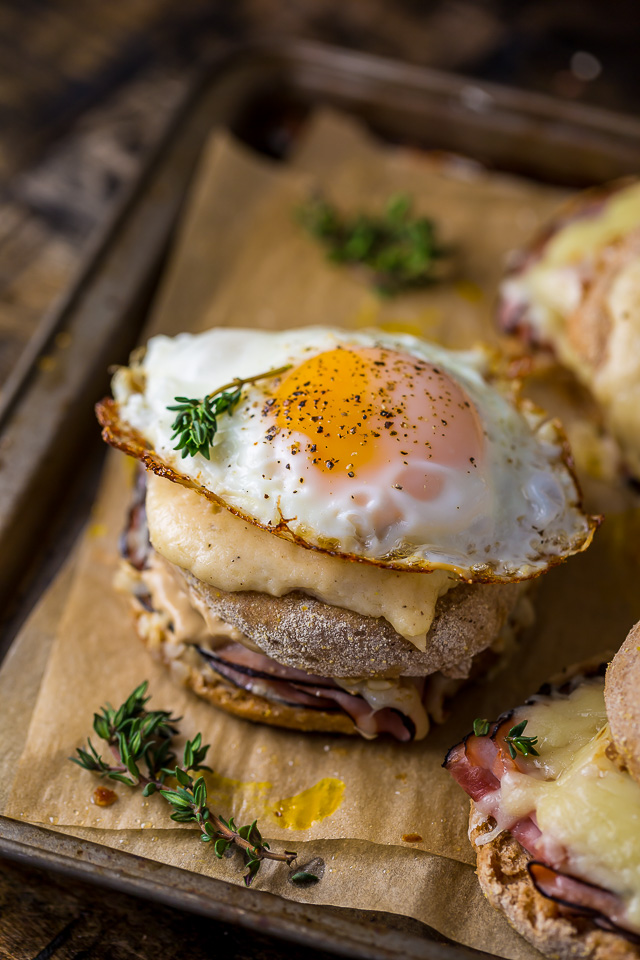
x,y
44,917
85,90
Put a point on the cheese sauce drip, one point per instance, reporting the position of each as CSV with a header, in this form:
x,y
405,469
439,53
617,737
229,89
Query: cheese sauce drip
x,y
583,803
232,555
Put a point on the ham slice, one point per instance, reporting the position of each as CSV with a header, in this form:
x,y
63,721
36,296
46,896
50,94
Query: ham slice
x,y
134,540
580,897
259,674
479,763
474,778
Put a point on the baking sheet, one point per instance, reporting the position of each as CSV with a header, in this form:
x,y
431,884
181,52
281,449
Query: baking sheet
x,y
238,207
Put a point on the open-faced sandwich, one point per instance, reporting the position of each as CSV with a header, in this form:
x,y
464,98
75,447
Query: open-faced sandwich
x,y
576,290
336,529
555,812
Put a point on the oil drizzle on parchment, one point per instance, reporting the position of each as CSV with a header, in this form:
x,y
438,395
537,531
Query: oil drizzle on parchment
x,y
235,795
316,803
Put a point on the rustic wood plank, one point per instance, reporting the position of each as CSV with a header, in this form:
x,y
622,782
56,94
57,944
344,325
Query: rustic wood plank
x,y
54,918
52,210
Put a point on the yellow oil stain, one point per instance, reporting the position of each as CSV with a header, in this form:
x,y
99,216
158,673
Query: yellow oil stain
x,y
368,313
412,838
469,291
98,530
317,803
233,795
402,326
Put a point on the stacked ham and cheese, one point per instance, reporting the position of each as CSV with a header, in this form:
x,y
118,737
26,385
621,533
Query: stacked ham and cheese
x,y
558,834
213,641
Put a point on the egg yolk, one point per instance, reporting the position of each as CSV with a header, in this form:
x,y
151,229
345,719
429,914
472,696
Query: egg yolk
x,y
354,410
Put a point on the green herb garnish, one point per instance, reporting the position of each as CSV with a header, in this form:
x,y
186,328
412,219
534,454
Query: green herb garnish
x,y
197,421
304,879
524,745
399,249
141,743
481,727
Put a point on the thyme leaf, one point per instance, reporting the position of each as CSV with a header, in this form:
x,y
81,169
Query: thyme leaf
x,y
303,878
481,727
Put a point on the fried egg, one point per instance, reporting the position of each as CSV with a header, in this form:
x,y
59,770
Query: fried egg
x,y
376,447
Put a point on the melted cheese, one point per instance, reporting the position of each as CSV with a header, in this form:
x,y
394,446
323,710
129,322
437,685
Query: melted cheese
x,y
585,236
232,555
563,725
175,606
170,597
401,694
552,287
583,803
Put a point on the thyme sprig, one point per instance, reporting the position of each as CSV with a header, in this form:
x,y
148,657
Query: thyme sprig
x,y
196,423
399,249
141,743
523,745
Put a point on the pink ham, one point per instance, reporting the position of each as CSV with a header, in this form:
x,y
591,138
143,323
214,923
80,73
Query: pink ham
x,y
477,780
478,763
526,832
134,541
260,665
265,677
579,896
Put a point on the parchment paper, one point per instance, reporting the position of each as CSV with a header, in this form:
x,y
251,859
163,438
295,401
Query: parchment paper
x,y
241,259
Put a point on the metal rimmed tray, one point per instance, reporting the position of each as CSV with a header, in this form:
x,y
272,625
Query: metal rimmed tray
x,y
263,94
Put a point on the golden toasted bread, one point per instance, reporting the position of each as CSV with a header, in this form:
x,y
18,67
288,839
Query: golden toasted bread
x,y
505,881
622,698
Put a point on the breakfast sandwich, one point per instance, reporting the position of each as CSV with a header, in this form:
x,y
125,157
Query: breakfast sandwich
x,y
576,290
334,529
555,812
